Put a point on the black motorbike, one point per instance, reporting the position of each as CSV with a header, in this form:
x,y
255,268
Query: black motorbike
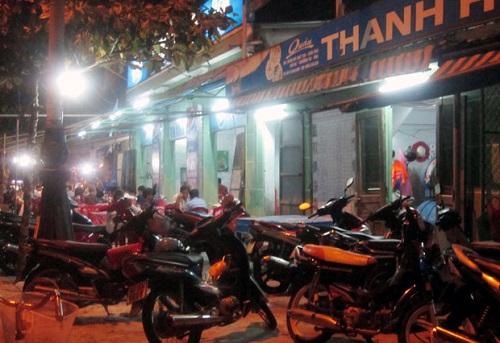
x,y
328,296
471,310
181,304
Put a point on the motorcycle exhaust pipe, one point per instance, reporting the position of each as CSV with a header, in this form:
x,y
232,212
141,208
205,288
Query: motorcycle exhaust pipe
x,y
310,317
441,333
183,320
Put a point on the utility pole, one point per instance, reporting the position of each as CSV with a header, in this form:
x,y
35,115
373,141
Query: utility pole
x,y
55,219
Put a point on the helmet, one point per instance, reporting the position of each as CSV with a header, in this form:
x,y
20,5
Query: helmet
x,y
448,218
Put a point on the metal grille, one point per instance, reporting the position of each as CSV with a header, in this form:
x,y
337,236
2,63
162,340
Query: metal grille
x,y
491,157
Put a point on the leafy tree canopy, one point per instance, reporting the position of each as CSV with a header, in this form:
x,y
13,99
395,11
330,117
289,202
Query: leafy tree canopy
x,y
108,33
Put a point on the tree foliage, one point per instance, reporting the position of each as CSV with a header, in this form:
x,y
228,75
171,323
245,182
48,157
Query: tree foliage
x,y
105,32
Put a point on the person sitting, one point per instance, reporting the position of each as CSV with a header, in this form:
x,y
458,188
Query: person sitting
x,y
196,203
181,198
148,198
91,197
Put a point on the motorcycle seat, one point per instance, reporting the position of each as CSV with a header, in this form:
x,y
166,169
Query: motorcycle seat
x,y
90,252
178,257
336,255
88,228
383,244
192,262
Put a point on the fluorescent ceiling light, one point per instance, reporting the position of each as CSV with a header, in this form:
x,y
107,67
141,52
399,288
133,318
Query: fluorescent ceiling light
x,y
271,113
396,83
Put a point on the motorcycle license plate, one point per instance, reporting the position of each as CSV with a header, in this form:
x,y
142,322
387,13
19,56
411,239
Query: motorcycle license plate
x,y
137,292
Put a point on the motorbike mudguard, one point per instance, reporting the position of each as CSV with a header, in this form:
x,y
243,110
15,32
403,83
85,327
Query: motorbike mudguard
x,y
410,297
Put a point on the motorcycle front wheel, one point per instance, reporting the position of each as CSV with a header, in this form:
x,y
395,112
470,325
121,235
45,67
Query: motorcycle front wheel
x,y
158,307
303,332
417,325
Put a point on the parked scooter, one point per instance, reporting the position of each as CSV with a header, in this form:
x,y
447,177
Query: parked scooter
x,y
181,305
273,244
89,273
328,295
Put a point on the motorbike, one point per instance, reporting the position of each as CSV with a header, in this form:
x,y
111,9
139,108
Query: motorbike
x,y
273,244
181,304
328,296
475,279
10,224
180,223
93,273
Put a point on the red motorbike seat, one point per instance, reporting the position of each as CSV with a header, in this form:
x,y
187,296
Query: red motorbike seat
x,y
336,255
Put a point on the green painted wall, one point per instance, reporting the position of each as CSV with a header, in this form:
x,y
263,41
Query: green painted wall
x,y
168,165
210,190
254,169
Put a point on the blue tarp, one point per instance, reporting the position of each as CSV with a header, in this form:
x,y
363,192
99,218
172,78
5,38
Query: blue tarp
x,y
243,223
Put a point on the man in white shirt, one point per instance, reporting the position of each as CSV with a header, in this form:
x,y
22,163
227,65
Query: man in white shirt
x,y
196,203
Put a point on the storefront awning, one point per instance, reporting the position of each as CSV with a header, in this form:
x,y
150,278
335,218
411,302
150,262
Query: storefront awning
x,y
467,64
358,73
198,81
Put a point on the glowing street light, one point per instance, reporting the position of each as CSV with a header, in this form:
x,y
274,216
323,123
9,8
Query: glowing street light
x,y
72,83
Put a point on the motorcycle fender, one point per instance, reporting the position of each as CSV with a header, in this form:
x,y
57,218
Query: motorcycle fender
x,y
408,299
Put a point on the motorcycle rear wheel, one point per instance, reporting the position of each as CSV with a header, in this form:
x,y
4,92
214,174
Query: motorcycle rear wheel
x,y
157,307
417,325
302,332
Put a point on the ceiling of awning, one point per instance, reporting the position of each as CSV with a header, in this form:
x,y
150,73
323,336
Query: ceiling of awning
x,y
467,64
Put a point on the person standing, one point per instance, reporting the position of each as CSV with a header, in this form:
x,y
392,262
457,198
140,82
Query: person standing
x,y
222,189
140,195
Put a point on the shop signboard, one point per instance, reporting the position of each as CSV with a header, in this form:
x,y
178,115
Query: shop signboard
x,y
380,27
